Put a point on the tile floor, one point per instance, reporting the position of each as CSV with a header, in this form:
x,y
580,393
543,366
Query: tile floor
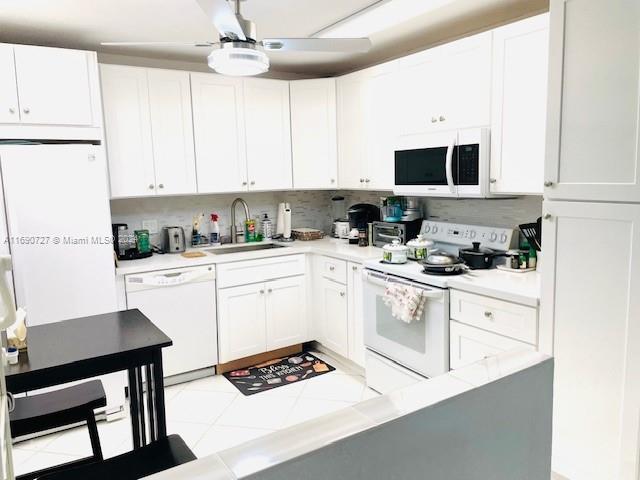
x,y
210,415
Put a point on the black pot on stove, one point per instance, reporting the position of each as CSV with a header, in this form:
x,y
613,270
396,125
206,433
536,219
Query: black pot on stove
x,y
477,257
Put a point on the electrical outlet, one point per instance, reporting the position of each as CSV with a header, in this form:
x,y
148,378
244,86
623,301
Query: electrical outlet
x,y
151,225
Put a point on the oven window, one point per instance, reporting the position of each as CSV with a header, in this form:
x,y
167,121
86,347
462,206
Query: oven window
x,y
425,166
406,335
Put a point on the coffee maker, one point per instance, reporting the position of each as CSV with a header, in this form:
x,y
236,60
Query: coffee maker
x,y
125,244
361,214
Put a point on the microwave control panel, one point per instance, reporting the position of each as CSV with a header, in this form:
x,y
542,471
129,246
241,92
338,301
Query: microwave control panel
x,y
465,235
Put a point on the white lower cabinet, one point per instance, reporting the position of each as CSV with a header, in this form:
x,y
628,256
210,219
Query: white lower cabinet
x,y
470,344
261,317
334,316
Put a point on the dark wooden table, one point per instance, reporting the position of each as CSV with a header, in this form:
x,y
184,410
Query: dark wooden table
x,y
86,347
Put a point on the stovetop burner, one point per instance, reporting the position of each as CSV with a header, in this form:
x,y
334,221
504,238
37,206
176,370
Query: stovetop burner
x,y
443,273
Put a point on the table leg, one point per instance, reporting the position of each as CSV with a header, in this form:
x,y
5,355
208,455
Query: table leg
x,y
153,434
134,406
143,428
158,393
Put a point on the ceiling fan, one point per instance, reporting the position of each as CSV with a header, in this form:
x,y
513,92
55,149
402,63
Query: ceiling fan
x,y
238,53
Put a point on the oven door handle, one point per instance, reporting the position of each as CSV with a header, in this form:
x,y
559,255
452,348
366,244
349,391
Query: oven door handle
x,y
383,281
449,165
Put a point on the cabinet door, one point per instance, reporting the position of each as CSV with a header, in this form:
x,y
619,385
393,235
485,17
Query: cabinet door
x,y
286,312
268,131
466,83
334,310
356,314
125,96
351,131
470,344
218,123
593,144
241,322
422,91
313,133
172,131
594,316
8,93
519,106
54,85
382,105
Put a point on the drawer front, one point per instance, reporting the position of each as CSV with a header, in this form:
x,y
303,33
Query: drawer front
x,y
260,270
333,269
470,344
385,376
505,318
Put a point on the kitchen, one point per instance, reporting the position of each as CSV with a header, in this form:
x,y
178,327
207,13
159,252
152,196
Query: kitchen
x,y
347,227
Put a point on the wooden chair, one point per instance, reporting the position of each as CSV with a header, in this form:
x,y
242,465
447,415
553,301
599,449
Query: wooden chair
x,y
156,457
59,408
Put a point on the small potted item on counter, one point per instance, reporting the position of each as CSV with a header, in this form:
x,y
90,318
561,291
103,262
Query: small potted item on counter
x,y
354,236
395,252
419,248
363,238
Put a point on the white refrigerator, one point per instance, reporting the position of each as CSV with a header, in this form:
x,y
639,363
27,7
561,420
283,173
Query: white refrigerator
x,y
56,201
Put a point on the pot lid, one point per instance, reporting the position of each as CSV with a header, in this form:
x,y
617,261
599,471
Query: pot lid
x,y
395,246
440,258
421,241
476,249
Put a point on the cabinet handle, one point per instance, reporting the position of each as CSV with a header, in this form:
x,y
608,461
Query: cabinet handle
x,y
434,119
367,180
261,292
492,180
362,180
547,216
91,157
333,180
161,185
253,182
332,268
548,184
342,294
26,110
442,119
12,110
151,186
488,314
354,268
244,184
269,291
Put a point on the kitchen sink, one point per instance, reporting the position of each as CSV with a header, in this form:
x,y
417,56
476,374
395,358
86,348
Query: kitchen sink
x,y
243,248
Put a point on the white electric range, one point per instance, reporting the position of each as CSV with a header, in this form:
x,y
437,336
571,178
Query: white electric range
x,y
400,353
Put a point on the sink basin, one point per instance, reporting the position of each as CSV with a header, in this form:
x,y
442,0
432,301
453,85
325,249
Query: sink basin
x,y
243,248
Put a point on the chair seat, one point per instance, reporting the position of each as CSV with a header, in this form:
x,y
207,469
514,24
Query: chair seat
x,y
156,457
58,408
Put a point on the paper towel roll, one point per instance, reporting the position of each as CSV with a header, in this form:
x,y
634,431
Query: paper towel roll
x,y
280,219
287,222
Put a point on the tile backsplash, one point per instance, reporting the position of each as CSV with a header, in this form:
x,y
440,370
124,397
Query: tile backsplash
x,y
312,209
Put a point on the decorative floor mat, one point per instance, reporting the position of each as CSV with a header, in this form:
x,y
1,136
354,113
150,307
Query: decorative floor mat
x,y
277,373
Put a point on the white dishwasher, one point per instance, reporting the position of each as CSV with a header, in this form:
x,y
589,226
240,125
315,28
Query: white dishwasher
x,y
182,303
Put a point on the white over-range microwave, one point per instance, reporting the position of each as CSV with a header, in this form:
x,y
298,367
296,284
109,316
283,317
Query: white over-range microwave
x,y
443,164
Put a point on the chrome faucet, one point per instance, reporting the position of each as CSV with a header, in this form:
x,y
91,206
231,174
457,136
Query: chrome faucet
x,y
234,230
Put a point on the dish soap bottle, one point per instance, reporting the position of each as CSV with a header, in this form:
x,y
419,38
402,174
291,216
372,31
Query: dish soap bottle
x,y
266,227
214,233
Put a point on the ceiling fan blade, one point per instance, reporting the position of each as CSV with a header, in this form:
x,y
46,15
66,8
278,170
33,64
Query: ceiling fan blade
x,y
221,15
345,45
159,44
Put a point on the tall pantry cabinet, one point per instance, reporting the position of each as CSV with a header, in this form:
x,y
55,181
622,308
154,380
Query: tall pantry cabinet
x,y
591,312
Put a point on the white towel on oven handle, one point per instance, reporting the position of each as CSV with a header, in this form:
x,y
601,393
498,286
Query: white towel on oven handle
x,y
406,302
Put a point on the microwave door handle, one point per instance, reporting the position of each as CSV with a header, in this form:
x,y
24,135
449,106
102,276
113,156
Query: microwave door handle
x,y
449,165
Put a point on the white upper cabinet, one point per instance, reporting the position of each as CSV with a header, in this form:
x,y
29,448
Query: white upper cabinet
x,y
53,85
218,122
125,95
313,133
148,131
9,109
268,134
519,106
172,131
446,87
593,144
351,130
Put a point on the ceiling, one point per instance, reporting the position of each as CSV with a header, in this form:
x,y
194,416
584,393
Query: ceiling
x,y
84,24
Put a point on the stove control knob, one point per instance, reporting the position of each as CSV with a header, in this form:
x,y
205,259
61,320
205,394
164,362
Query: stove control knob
x,y
493,237
503,238
434,230
472,234
427,228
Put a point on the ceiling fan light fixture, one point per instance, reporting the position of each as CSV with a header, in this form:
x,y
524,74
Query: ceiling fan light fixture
x,y
238,59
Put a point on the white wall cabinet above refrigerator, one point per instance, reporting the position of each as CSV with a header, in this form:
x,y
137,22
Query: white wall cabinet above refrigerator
x,y
314,133
49,93
149,131
593,144
519,106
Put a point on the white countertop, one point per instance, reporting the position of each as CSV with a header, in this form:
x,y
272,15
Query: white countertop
x,y
522,288
332,247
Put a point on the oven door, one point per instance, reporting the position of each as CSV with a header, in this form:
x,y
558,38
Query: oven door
x,y
424,165
421,346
